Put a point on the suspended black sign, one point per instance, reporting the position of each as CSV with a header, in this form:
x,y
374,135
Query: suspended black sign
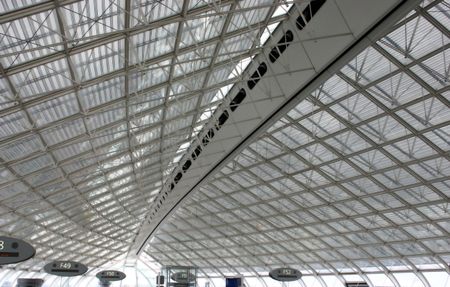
x,y
14,250
111,275
159,280
29,282
356,284
285,274
182,277
65,268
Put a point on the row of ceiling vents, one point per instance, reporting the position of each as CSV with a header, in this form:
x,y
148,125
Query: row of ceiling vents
x,y
305,17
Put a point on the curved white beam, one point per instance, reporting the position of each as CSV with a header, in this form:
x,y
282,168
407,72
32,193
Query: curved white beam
x,y
325,55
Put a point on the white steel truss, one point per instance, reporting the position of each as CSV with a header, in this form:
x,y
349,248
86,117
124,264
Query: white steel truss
x,y
99,100
353,180
96,102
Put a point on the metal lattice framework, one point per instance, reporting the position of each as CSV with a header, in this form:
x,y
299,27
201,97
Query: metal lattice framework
x,y
98,101
353,180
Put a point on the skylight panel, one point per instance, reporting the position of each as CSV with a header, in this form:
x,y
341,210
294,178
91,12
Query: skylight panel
x,y
13,123
153,43
21,148
177,124
368,66
434,70
236,45
240,67
87,20
202,28
414,40
39,39
42,79
147,77
217,75
396,90
193,61
54,110
44,177
100,119
187,85
101,93
206,114
15,5
180,107
99,60
141,103
283,8
147,12
267,32
249,16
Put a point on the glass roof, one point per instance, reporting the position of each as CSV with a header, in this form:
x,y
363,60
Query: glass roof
x,y
353,180
99,100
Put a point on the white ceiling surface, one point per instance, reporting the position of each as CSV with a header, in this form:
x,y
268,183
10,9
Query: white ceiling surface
x,y
97,104
354,180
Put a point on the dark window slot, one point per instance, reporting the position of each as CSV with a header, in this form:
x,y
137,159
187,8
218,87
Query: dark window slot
x,y
309,12
172,186
282,45
207,138
178,177
315,7
300,23
196,152
222,120
274,55
187,164
237,100
257,75
285,41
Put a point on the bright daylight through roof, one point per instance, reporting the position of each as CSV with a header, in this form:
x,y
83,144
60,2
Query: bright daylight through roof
x,y
225,143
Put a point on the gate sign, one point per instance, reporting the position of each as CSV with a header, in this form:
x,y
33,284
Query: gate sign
x,y
111,275
14,250
65,268
285,274
183,277
29,282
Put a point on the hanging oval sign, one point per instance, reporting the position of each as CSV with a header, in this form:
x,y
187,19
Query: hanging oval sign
x,y
182,277
29,282
285,274
111,275
13,250
65,268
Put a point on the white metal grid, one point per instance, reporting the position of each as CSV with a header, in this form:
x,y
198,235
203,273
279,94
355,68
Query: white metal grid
x,y
96,105
353,180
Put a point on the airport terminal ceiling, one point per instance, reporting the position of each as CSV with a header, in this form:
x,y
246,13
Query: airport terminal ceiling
x,y
102,102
